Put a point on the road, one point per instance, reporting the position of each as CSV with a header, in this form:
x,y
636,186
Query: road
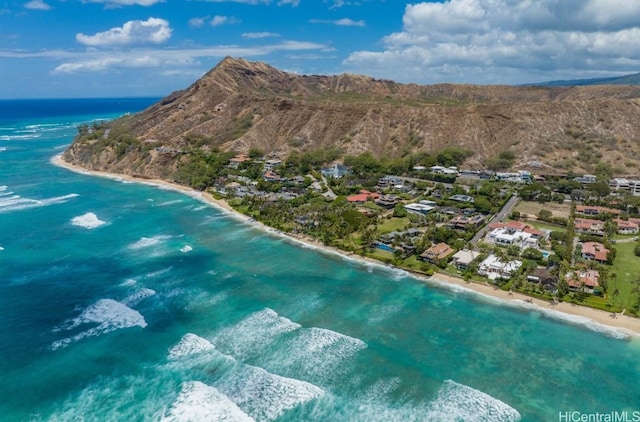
x,y
501,215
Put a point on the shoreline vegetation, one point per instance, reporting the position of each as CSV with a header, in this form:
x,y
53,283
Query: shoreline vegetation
x,y
591,318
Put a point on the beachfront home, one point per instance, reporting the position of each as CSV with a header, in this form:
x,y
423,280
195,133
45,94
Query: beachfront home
x,y
463,258
436,253
543,277
594,251
586,281
494,268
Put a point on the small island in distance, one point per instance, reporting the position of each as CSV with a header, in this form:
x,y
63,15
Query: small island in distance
x,y
530,190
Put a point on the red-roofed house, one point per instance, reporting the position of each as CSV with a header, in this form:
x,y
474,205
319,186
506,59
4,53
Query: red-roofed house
x,y
594,251
436,253
270,176
237,160
363,196
589,226
626,227
587,280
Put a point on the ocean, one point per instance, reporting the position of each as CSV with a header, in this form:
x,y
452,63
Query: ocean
x,y
121,301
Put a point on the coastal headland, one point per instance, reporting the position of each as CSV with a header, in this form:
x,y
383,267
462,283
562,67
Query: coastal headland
x,y
619,325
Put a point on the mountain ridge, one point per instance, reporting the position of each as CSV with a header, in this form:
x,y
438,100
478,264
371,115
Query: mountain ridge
x,y
239,105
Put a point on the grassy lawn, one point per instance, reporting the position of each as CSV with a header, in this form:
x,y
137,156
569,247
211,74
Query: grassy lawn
x,y
541,225
393,224
627,268
533,208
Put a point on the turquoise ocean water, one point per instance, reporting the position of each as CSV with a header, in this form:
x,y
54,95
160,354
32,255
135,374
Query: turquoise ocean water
x,y
120,301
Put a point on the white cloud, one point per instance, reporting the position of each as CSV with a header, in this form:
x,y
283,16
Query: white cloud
x,y
508,41
168,60
153,30
255,35
218,20
198,22
37,5
118,3
339,22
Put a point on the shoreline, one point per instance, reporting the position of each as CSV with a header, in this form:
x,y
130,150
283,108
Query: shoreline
x,y
590,318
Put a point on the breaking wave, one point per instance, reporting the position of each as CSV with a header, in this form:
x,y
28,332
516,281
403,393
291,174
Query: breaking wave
x,y
88,221
108,314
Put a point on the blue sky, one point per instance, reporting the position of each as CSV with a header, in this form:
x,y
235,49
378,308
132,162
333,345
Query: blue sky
x,y
113,48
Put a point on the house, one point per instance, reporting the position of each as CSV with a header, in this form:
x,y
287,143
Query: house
x,y
388,181
595,251
271,176
586,178
544,277
595,210
363,196
462,198
235,162
626,226
463,258
387,201
419,168
461,222
494,268
436,253
419,209
583,281
336,171
589,226
272,164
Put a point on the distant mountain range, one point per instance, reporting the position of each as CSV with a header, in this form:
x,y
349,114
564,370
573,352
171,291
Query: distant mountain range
x,y
240,105
633,79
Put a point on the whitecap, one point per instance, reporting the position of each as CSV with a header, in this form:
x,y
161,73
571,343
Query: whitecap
x,y
3,149
200,402
18,137
1,248
457,402
190,344
145,242
108,314
254,333
167,203
186,249
138,297
17,203
263,395
88,221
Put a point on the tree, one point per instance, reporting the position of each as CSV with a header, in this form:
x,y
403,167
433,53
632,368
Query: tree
x,y
532,254
600,189
545,215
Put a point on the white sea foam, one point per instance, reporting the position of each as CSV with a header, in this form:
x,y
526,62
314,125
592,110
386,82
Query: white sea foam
x,y
88,221
129,282
167,203
17,203
254,333
108,314
457,402
3,188
318,353
3,149
1,248
200,402
190,344
263,395
18,137
145,242
138,297
186,249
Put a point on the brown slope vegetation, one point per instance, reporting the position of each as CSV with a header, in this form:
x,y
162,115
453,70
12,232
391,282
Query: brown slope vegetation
x,y
239,105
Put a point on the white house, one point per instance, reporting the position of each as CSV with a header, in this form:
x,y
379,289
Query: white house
x,y
494,268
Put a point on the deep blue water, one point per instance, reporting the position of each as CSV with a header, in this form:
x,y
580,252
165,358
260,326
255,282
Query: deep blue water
x,y
124,301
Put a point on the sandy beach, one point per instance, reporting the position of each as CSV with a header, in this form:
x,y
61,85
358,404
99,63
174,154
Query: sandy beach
x,y
591,318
